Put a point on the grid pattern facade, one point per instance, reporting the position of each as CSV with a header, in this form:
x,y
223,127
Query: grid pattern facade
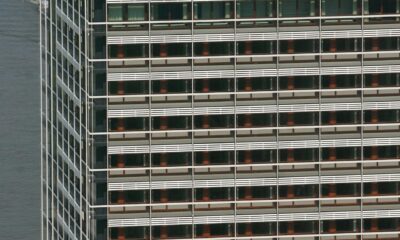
x,y
221,119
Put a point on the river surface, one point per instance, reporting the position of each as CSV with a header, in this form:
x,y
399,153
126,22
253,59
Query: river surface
x,y
19,121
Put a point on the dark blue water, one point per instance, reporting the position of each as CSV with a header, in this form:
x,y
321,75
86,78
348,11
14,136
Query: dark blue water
x,y
19,121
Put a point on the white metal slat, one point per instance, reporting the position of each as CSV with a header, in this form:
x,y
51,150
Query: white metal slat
x,y
252,36
179,220
254,145
217,183
114,113
252,73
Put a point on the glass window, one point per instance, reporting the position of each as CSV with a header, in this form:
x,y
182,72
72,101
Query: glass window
x,y
254,8
115,13
170,11
339,7
297,8
245,9
136,12
212,10
381,7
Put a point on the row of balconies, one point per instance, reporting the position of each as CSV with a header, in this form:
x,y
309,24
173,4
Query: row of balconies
x,y
160,11
341,190
207,172
223,67
300,100
164,50
252,34
254,157
258,229
164,123
253,84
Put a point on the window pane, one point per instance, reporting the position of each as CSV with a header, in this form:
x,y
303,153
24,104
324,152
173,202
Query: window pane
x,y
169,11
303,8
263,9
136,12
296,8
115,13
245,9
218,10
346,7
212,10
338,7
288,8
331,7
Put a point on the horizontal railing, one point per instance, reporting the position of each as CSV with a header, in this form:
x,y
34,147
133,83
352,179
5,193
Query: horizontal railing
x,y
356,142
251,36
272,72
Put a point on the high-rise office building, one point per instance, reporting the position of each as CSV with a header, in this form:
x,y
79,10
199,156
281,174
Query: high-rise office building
x,y
220,119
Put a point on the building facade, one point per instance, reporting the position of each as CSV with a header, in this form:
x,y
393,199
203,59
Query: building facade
x,y
220,119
